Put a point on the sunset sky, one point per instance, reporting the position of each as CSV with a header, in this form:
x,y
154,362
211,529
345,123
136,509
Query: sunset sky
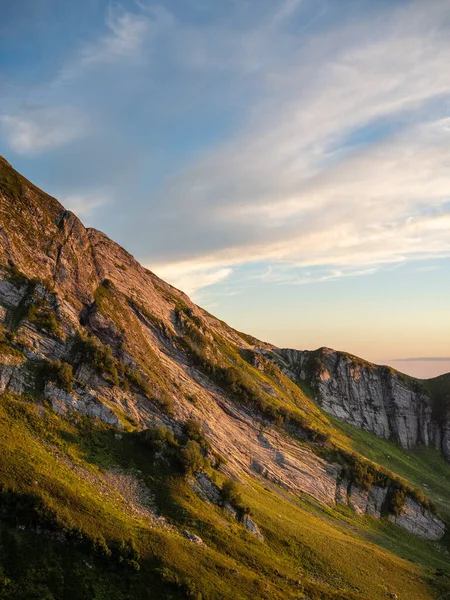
x,y
284,162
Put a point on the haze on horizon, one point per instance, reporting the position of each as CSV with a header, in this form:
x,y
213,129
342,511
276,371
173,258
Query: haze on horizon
x,y
286,163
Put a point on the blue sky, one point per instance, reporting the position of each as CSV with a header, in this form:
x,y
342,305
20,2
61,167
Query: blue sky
x,y
285,162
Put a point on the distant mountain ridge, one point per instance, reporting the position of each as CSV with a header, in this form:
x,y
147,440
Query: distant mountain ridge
x,y
149,450
377,398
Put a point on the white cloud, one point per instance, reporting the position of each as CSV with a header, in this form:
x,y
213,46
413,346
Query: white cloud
x,y
290,187
83,204
191,276
127,32
126,40
37,130
44,121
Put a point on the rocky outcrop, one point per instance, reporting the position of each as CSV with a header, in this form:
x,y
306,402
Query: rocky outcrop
x,y
82,402
411,516
208,491
419,521
375,398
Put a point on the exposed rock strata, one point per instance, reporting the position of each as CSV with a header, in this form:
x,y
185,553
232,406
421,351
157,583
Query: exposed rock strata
x,y
377,399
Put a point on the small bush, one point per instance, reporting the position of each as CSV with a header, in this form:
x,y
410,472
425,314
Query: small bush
x,y
64,375
6,347
43,319
396,499
101,548
165,402
192,399
219,460
192,457
59,372
194,431
86,349
158,437
230,493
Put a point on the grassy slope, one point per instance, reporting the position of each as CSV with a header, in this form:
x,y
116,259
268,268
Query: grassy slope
x,y
324,552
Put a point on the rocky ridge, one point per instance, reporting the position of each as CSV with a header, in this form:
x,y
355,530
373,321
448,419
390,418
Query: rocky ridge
x,y
86,328
371,397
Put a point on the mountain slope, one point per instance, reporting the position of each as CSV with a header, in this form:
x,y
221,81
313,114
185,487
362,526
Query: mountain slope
x,y
128,414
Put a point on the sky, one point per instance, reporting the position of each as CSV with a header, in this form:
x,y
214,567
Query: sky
x,y
284,162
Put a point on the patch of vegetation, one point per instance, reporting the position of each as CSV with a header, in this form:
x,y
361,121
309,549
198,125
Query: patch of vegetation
x,y
159,438
15,275
103,292
192,457
438,388
10,183
23,308
89,350
86,349
59,372
190,325
313,367
192,399
6,345
183,455
365,474
230,492
194,431
43,318
217,460
32,307
396,499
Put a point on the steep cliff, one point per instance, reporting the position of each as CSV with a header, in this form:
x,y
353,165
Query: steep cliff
x,y
376,398
127,408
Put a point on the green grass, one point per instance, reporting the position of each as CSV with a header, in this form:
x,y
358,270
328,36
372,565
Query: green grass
x,y
310,551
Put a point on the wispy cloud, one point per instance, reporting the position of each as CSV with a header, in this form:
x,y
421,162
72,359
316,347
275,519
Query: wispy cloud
x,y
47,116
84,204
124,40
42,129
191,277
291,188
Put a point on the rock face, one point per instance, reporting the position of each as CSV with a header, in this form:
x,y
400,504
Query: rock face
x,y
86,328
377,399
413,518
412,515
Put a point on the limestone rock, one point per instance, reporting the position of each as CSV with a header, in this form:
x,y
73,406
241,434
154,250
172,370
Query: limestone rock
x,y
80,401
193,538
252,527
370,397
419,521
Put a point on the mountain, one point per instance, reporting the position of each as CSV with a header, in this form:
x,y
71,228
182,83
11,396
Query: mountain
x,y
376,398
149,450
